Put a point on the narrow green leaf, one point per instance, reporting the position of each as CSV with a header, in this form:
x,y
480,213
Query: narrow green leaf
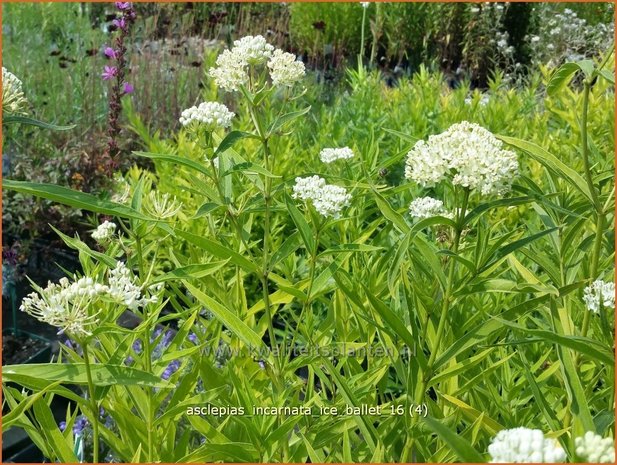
x,y
191,271
10,119
73,199
561,77
183,161
75,373
459,445
219,250
303,227
230,320
552,163
286,118
230,139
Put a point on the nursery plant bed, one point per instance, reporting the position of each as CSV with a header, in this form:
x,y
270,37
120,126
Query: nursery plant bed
x,y
24,348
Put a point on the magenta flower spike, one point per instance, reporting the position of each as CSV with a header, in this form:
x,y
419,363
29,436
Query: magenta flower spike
x,y
119,23
110,53
123,5
109,72
128,88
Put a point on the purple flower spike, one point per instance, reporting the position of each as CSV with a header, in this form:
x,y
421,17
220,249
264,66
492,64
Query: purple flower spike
x,y
109,72
171,369
80,424
62,426
128,88
119,23
110,53
123,5
193,338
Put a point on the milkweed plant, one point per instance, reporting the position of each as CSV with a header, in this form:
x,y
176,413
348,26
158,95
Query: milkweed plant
x,y
286,309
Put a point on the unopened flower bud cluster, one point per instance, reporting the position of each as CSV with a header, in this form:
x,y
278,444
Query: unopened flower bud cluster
x,y
104,232
592,448
330,155
68,304
427,207
231,69
211,115
329,200
466,154
599,292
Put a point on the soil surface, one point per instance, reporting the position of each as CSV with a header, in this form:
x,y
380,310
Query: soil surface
x,y
19,349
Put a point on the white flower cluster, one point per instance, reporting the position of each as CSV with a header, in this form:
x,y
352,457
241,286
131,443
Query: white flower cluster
x,y
68,304
254,50
162,206
327,199
468,154
211,115
524,445
123,290
232,65
427,207
284,69
330,155
592,448
13,99
104,232
599,291
230,72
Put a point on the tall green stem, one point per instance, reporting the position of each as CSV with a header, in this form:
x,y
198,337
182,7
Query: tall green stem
x,y
600,215
93,403
445,307
148,354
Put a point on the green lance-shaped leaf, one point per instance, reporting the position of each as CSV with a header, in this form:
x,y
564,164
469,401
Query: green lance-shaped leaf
x,y
552,163
229,319
34,122
74,199
75,373
459,445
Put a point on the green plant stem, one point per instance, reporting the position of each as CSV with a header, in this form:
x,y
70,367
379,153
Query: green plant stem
x,y
148,355
361,54
309,289
585,147
593,267
93,403
445,307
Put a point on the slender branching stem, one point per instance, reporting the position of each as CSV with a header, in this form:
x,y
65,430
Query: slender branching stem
x,y
93,402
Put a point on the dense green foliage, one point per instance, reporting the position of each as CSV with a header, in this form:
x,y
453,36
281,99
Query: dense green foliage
x,y
456,327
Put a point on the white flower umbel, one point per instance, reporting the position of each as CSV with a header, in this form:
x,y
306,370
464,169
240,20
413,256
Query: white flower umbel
x,y
162,206
330,155
123,289
254,50
599,291
427,207
592,448
13,99
69,305
524,445
328,199
104,232
285,70
468,155
230,72
65,305
308,188
211,115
